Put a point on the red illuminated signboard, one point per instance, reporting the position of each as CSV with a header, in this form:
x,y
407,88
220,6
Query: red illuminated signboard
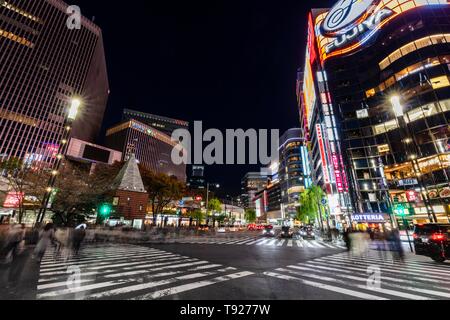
x,y
13,200
337,173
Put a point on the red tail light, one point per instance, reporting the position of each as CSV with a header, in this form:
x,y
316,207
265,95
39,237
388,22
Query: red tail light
x,y
415,236
438,237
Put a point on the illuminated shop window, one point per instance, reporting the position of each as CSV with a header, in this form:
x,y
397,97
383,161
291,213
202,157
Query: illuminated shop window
x,y
440,82
413,46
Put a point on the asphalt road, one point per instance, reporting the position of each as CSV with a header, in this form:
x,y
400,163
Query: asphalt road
x,y
242,269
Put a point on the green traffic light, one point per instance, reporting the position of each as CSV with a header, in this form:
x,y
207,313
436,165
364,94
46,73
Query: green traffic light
x,y
105,210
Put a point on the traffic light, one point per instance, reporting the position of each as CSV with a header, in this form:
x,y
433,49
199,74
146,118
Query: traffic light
x,y
105,210
401,211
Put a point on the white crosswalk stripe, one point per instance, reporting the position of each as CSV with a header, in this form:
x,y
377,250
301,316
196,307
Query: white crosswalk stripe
x,y
258,241
353,275
134,273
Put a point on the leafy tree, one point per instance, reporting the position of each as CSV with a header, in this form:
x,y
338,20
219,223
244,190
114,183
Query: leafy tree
x,y
197,215
250,215
310,204
162,190
214,205
23,181
80,192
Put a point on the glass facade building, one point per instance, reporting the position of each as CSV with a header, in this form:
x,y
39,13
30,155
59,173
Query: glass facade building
x,y
43,65
382,78
152,148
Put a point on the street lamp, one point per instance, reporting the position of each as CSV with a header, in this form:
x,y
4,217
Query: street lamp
x,y
207,193
74,107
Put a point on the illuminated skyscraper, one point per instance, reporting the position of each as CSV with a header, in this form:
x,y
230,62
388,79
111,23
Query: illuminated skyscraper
x,y
375,101
43,65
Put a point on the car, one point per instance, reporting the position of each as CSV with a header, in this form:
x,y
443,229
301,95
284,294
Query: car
x,y
268,231
203,227
432,240
307,233
221,230
286,232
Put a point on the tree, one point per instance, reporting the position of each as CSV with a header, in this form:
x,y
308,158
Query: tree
x,y
197,215
311,205
23,181
80,193
214,205
162,190
250,215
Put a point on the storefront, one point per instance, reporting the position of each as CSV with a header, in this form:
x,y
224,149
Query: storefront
x,y
375,221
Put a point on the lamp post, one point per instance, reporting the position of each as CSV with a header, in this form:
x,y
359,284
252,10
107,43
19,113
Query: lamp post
x,y
404,131
207,194
74,107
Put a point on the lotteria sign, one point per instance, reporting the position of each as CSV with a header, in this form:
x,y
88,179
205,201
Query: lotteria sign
x,y
369,218
349,24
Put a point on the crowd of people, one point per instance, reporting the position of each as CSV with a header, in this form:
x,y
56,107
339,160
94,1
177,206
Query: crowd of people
x,y
61,239
358,241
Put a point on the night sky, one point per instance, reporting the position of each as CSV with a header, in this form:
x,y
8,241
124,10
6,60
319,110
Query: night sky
x,y
231,64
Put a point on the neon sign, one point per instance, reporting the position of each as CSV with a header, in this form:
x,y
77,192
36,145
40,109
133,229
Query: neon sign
x,y
352,23
322,153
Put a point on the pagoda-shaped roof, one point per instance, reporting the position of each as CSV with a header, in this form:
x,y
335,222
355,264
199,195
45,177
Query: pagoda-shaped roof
x,y
129,177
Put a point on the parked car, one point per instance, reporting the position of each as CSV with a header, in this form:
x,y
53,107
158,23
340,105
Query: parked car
x,y
432,240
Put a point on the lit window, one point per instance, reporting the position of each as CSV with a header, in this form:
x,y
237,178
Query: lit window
x,y
440,82
370,93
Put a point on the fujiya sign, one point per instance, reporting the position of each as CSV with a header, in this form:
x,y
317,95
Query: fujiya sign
x,y
368,218
350,20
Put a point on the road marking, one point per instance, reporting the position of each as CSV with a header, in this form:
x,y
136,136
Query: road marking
x,y
299,244
317,244
364,287
290,243
191,286
326,287
280,243
263,242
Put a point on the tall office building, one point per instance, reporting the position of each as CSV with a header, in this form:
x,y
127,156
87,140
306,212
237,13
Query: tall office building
x,y
375,100
251,184
197,180
163,124
294,170
152,148
43,65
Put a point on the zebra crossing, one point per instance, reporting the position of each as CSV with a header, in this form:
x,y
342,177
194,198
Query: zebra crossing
x,y
258,241
127,272
372,276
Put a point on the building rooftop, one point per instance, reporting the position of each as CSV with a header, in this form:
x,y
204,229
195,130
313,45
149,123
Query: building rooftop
x,y
129,177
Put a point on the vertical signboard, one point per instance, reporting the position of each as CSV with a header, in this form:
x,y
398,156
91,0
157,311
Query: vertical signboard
x,y
323,157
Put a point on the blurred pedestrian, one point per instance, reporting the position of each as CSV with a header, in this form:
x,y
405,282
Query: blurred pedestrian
x,y
46,237
397,244
346,238
14,238
371,233
78,236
